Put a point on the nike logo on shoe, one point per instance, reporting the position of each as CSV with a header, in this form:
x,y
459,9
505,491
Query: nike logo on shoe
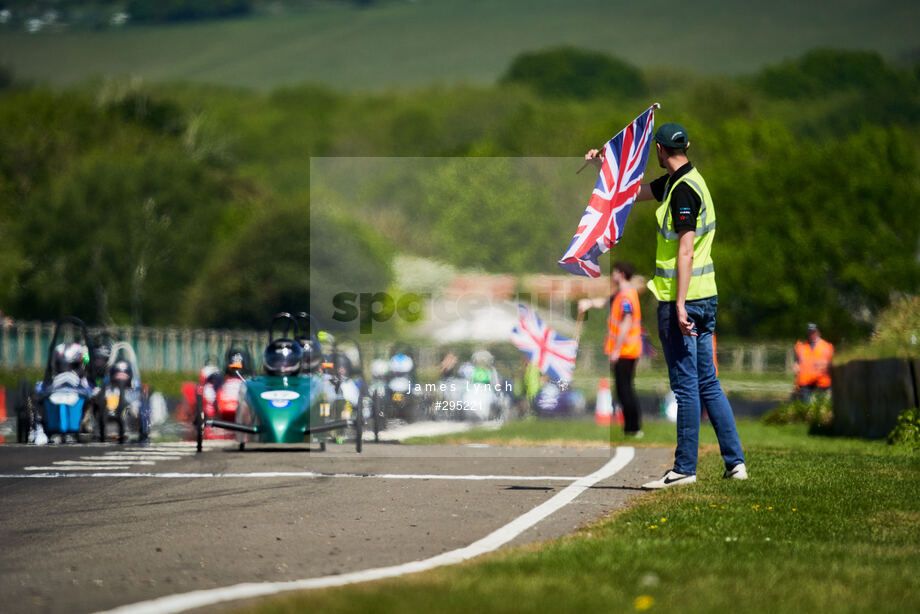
x,y
738,472
671,478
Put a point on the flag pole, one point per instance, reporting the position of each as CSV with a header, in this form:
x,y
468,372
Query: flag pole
x,y
587,162
655,106
578,322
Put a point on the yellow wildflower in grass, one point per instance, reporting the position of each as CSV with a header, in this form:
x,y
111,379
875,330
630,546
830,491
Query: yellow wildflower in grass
x,y
770,508
755,507
643,602
653,526
663,519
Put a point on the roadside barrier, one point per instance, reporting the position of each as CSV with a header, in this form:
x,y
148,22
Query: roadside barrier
x,y
25,344
868,395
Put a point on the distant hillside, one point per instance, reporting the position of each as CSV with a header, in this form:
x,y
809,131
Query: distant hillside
x,y
407,44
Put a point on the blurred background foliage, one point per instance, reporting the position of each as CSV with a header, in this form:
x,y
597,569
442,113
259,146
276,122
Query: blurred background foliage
x,y
190,204
567,72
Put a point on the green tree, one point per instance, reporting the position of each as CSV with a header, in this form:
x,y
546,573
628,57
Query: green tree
x,y
287,258
822,72
346,255
567,72
489,213
261,270
811,232
186,10
106,218
117,232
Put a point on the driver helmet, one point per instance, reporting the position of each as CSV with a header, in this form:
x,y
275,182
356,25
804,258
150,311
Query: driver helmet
x,y
401,363
238,361
70,357
207,373
283,357
483,358
312,353
209,380
344,366
121,373
379,368
353,354
101,353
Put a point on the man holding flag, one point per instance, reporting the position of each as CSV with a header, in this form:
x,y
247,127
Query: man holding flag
x,y
685,287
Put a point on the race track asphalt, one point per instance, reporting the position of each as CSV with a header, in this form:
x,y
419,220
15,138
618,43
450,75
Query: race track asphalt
x,y
78,541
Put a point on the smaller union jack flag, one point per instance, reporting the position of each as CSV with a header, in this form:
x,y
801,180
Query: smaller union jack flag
x,y
618,184
551,352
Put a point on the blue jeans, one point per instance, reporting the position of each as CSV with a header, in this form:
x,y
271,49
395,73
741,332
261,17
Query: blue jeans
x,y
692,373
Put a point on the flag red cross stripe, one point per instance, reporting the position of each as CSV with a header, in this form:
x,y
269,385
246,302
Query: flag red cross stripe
x,y
606,206
542,342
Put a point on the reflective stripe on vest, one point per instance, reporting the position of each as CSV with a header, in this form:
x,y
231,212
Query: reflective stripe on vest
x,y
697,270
702,279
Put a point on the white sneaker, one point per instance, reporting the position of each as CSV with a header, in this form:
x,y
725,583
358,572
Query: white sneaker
x,y
671,478
738,472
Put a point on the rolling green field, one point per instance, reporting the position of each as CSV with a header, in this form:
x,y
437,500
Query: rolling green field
x,y
823,525
401,43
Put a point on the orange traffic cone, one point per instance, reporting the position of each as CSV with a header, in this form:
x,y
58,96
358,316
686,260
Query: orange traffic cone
x,y
603,408
618,415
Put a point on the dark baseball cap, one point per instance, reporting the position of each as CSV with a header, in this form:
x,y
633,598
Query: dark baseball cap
x,y
812,327
672,135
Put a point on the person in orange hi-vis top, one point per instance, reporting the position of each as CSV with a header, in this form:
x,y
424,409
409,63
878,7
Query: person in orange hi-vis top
x,y
623,344
813,364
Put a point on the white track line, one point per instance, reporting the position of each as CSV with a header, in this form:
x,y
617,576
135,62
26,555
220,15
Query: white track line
x,y
130,457
212,444
154,452
65,475
116,460
100,463
282,474
496,539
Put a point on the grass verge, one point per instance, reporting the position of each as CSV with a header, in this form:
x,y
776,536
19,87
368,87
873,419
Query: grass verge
x,y
754,434
768,386
824,525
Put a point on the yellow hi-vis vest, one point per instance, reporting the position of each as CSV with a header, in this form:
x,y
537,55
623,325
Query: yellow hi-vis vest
x,y
703,278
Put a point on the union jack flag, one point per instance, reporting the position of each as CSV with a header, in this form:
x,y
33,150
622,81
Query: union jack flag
x,y
553,353
618,184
